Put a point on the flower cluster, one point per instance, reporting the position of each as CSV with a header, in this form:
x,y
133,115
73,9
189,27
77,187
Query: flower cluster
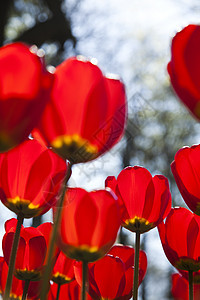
x,y
50,121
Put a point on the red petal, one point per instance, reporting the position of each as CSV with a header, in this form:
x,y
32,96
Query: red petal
x,y
7,245
125,253
113,127
176,238
23,93
133,183
162,200
185,169
36,252
109,274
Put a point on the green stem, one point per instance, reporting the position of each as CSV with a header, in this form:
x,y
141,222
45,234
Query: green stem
x,y
136,266
190,285
58,291
20,219
25,291
48,268
84,279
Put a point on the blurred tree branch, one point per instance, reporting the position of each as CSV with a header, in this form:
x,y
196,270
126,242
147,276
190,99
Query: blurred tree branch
x,y
57,28
4,11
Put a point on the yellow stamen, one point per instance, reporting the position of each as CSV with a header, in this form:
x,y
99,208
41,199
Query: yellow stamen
x,y
138,224
74,148
19,205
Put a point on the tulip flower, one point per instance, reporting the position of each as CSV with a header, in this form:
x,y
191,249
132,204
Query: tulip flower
x,y
25,90
184,67
17,285
112,276
186,171
89,225
180,288
182,247
107,278
127,255
69,291
31,251
86,114
63,271
145,201
30,178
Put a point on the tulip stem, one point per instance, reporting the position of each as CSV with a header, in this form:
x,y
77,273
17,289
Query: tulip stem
x,y
20,219
25,291
190,285
48,268
58,291
136,265
84,279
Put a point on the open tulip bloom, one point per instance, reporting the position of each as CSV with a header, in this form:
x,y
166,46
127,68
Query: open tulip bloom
x,y
89,225
144,200
182,247
30,178
86,114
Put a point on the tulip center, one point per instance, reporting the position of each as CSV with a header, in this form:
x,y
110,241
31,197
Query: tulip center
x,y
61,278
84,253
14,297
138,224
22,206
188,264
24,274
74,148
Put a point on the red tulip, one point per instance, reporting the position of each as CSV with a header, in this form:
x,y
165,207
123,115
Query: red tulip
x,y
63,271
30,178
186,171
86,114
107,278
180,237
69,291
25,89
89,223
127,255
145,200
184,67
17,285
180,288
112,276
31,251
